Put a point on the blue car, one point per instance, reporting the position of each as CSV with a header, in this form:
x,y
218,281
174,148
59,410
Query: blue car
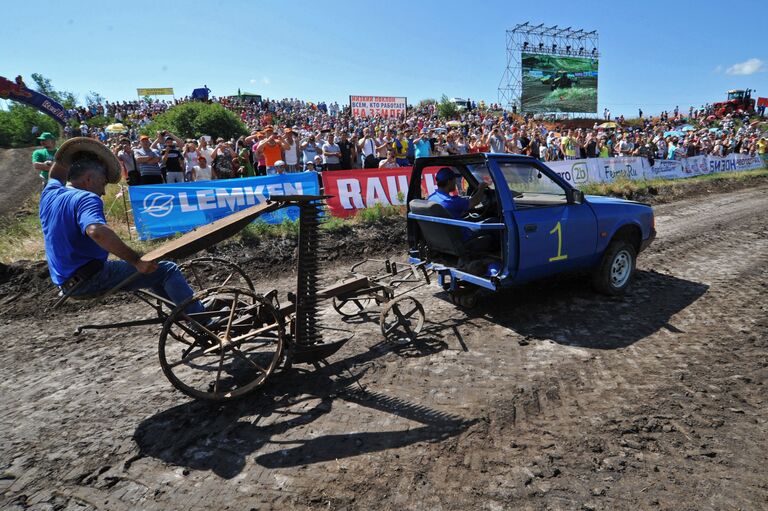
x,y
527,224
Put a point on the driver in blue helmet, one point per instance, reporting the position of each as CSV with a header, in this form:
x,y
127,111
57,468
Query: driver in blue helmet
x,y
457,205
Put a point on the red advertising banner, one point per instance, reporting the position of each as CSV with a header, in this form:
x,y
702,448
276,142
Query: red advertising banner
x,y
762,102
363,188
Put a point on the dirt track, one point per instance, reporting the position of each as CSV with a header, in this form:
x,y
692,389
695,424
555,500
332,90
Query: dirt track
x,y
18,180
552,398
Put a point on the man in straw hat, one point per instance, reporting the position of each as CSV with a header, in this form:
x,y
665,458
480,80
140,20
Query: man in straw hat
x,y
77,238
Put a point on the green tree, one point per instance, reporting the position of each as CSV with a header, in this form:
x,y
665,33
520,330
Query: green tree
x,y
447,109
93,98
17,122
191,120
98,121
44,85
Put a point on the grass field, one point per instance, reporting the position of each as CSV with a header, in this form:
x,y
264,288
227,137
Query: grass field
x,y
627,188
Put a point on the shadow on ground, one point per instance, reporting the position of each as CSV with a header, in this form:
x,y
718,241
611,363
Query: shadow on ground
x,y
568,311
203,437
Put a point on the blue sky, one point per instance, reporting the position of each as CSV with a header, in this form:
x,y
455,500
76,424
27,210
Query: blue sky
x,y
655,54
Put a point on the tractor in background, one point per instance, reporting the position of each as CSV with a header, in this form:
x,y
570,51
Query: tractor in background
x,y
738,100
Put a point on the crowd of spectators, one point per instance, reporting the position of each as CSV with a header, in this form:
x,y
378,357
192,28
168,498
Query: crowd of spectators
x,y
291,135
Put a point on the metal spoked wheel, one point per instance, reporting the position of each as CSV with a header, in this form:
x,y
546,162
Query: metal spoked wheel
x,y
402,319
352,307
210,272
225,352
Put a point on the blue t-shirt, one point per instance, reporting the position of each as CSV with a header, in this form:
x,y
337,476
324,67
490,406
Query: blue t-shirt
x,y
421,148
65,213
456,205
411,150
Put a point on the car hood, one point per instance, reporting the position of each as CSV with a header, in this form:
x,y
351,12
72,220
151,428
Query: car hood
x,y
600,199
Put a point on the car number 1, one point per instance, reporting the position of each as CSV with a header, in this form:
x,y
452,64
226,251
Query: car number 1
x,y
560,256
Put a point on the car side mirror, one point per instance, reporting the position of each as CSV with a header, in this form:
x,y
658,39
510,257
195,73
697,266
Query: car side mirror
x,y
575,196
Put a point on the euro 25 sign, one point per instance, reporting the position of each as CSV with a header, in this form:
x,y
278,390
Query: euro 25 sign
x,y
164,210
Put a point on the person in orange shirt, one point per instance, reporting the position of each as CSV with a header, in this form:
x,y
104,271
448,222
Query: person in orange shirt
x,y
272,147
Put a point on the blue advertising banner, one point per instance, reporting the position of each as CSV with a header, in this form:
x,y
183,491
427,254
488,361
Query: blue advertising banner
x,y
18,91
164,210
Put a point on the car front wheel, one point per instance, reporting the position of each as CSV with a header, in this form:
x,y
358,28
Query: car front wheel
x,y
614,275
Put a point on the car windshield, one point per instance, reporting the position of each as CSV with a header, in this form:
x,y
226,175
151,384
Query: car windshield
x,y
524,179
481,173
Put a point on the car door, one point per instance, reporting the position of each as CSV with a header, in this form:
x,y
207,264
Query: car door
x,y
553,235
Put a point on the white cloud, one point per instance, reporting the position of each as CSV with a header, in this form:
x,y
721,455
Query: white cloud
x,y
264,81
747,67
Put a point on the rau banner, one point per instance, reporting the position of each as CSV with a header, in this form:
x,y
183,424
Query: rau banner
x,y
356,189
164,210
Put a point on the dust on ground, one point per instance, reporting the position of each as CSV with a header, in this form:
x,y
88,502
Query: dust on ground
x,y
546,397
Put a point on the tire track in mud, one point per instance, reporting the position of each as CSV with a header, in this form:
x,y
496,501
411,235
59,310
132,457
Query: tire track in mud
x,y
656,433
549,397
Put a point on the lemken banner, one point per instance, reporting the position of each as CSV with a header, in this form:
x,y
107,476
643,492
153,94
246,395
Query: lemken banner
x,y
164,210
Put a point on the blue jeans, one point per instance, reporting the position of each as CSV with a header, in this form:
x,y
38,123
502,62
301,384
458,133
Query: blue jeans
x,y
167,281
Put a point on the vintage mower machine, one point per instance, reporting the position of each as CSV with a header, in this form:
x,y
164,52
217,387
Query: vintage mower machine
x,y
243,337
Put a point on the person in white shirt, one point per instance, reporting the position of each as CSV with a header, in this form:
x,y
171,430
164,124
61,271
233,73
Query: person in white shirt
x,y
190,158
367,147
204,150
202,171
625,147
292,153
390,162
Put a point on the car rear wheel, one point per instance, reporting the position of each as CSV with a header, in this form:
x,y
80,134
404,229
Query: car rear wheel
x,y
614,275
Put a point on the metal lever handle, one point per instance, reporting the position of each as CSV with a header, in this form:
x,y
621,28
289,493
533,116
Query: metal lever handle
x,y
531,228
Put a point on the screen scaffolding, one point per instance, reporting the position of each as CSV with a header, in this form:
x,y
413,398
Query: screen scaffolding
x,y
541,40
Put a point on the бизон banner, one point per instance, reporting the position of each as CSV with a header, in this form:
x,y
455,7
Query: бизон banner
x,y
168,209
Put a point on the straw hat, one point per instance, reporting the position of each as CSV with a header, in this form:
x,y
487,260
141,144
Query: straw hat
x,y
77,147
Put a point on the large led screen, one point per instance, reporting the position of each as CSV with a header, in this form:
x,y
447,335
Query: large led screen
x,y
554,83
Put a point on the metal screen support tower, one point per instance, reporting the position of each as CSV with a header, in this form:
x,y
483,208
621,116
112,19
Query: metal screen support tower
x,y
554,40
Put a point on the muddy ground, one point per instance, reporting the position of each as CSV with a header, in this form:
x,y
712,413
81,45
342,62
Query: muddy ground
x,y
548,397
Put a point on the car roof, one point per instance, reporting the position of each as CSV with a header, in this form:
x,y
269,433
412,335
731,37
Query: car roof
x,y
469,159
